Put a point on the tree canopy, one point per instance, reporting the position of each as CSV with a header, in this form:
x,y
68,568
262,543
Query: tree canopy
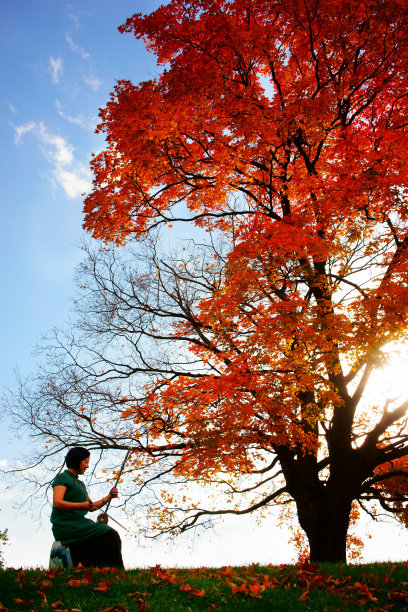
x,y
279,130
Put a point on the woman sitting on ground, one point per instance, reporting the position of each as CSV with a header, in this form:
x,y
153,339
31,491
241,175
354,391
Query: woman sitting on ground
x,y
91,544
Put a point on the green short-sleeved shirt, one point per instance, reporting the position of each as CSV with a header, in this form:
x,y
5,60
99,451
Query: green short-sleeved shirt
x,y
71,525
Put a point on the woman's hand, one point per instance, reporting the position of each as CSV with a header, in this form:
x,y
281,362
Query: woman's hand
x,y
113,492
89,506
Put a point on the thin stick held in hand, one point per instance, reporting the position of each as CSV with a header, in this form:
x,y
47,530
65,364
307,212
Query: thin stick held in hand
x,y
103,518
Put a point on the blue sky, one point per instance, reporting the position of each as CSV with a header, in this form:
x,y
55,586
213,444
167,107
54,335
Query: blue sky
x,y
60,60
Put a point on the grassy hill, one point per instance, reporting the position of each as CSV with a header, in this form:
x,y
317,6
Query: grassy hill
x,y
374,587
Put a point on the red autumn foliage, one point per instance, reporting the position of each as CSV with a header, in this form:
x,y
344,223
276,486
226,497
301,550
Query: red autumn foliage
x,y
394,487
279,131
299,109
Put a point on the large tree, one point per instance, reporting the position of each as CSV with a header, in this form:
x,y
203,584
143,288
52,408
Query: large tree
x,y
279,129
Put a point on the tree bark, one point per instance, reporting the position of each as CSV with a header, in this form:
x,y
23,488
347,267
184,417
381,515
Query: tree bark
x,y
325,522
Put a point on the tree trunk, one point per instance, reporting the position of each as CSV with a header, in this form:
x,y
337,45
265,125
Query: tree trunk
x,y
326,522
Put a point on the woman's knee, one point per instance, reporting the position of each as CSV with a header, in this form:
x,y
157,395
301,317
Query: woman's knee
x,y
115,537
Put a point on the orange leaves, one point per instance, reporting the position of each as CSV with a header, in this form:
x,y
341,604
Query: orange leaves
x,y
256,589
373,587
308,578
43,585
187,588
137,594
58,606
102,587
163,575
394,485
78,582
253,586
243,588
285,137
302,121
172,578
22,602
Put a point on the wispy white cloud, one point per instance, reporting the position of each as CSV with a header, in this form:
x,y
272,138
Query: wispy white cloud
x,y
81,120
93,82
74,19
21,130
67,172
56,68
74,182
12,108
75,48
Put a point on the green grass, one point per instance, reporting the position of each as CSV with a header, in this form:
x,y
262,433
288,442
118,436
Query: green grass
x,y
374,587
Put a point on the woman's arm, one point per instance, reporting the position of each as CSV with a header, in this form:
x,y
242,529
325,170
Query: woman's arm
x,y
59,503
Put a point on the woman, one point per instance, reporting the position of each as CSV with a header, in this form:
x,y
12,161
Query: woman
x,y
91,544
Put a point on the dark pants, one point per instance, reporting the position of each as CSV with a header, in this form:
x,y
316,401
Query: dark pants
x,y
100,551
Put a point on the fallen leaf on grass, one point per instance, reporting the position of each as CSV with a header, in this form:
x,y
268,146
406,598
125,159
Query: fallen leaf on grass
x,y
44,602
74,582
304,596
187,588
138,593
256,589
21,578
102,587
106,570
23,602
238,589
49,573
117,608
44,584
398,595
269,582
163,575
67,610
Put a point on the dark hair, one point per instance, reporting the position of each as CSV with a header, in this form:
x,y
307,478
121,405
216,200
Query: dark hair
x,y
75,455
